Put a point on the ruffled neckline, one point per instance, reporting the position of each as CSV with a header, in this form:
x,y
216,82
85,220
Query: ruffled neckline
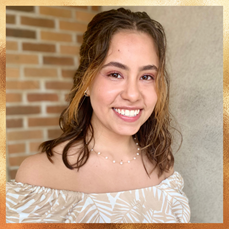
x,y
174,177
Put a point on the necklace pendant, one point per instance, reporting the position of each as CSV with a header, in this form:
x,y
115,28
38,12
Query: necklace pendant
x,y
121,163
114,161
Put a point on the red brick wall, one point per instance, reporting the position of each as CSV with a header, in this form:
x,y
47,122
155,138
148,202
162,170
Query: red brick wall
x,y
42,46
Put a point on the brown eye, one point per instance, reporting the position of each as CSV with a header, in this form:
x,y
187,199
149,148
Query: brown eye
x,y
147,77
115,75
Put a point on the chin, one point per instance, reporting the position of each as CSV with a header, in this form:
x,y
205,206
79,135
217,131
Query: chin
x,y
128,131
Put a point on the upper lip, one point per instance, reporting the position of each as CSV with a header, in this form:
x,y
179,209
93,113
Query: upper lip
x,y
128,108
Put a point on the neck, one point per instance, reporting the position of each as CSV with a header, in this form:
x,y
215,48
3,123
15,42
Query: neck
x,y
118,147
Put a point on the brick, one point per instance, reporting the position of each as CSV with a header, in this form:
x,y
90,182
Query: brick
x,y
55,109
39,47
79,39
21,8
16,148
22,110
11,45
12,72
24,135
72,26
66,97
16,161
42,97
19,85
69,49
22,33
10,19
58,85
38,22
40,72
43,122
84,16
33,146
56,12
58,60
95,8
68,73
21,59
51,36
13,174
54,133
13,97
14,123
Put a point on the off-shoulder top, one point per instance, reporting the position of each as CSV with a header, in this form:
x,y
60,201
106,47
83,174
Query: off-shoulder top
x,y
162,203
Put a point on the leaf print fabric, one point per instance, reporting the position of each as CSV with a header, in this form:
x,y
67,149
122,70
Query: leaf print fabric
x,y
163,203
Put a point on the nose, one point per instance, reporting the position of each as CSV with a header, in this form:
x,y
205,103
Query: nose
x,y
131,91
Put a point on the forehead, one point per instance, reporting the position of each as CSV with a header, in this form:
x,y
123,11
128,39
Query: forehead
x,y
131,45
130,36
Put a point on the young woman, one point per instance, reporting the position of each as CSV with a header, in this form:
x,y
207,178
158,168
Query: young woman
x,y
113,163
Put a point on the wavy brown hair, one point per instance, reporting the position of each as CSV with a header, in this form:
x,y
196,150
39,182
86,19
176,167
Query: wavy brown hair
x,y
154,135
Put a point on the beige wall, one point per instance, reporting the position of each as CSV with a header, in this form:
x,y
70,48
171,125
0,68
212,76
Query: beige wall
x,y
195,57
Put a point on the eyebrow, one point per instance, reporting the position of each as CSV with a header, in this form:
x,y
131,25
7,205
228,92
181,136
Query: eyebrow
x,y
122,66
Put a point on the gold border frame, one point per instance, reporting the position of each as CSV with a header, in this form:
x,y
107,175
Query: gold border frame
x,y
224,3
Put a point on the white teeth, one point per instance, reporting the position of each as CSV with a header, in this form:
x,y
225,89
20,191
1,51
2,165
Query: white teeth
x,y
128,113
132,113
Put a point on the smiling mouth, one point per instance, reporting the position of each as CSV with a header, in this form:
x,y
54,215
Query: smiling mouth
x,y
127,113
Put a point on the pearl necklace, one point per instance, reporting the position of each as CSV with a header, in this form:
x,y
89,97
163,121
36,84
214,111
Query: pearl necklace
x,y
121,162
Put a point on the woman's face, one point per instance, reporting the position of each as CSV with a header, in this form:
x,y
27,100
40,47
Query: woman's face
x,y
123,94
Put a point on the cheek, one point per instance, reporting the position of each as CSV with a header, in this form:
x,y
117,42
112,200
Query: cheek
x,y
105,85
96,90
102,94
151,98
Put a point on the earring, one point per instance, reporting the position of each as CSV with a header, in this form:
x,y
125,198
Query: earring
x,y
85,93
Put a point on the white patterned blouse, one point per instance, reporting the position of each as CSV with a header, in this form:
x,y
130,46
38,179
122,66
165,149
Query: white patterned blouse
x,y
163,203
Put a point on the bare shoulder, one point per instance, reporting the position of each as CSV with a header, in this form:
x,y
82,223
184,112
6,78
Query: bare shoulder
x,y
39,170
169,173
33,169
152,166
73,149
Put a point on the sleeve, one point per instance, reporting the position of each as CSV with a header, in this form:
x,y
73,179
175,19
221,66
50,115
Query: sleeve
x,y
35,204
179,201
